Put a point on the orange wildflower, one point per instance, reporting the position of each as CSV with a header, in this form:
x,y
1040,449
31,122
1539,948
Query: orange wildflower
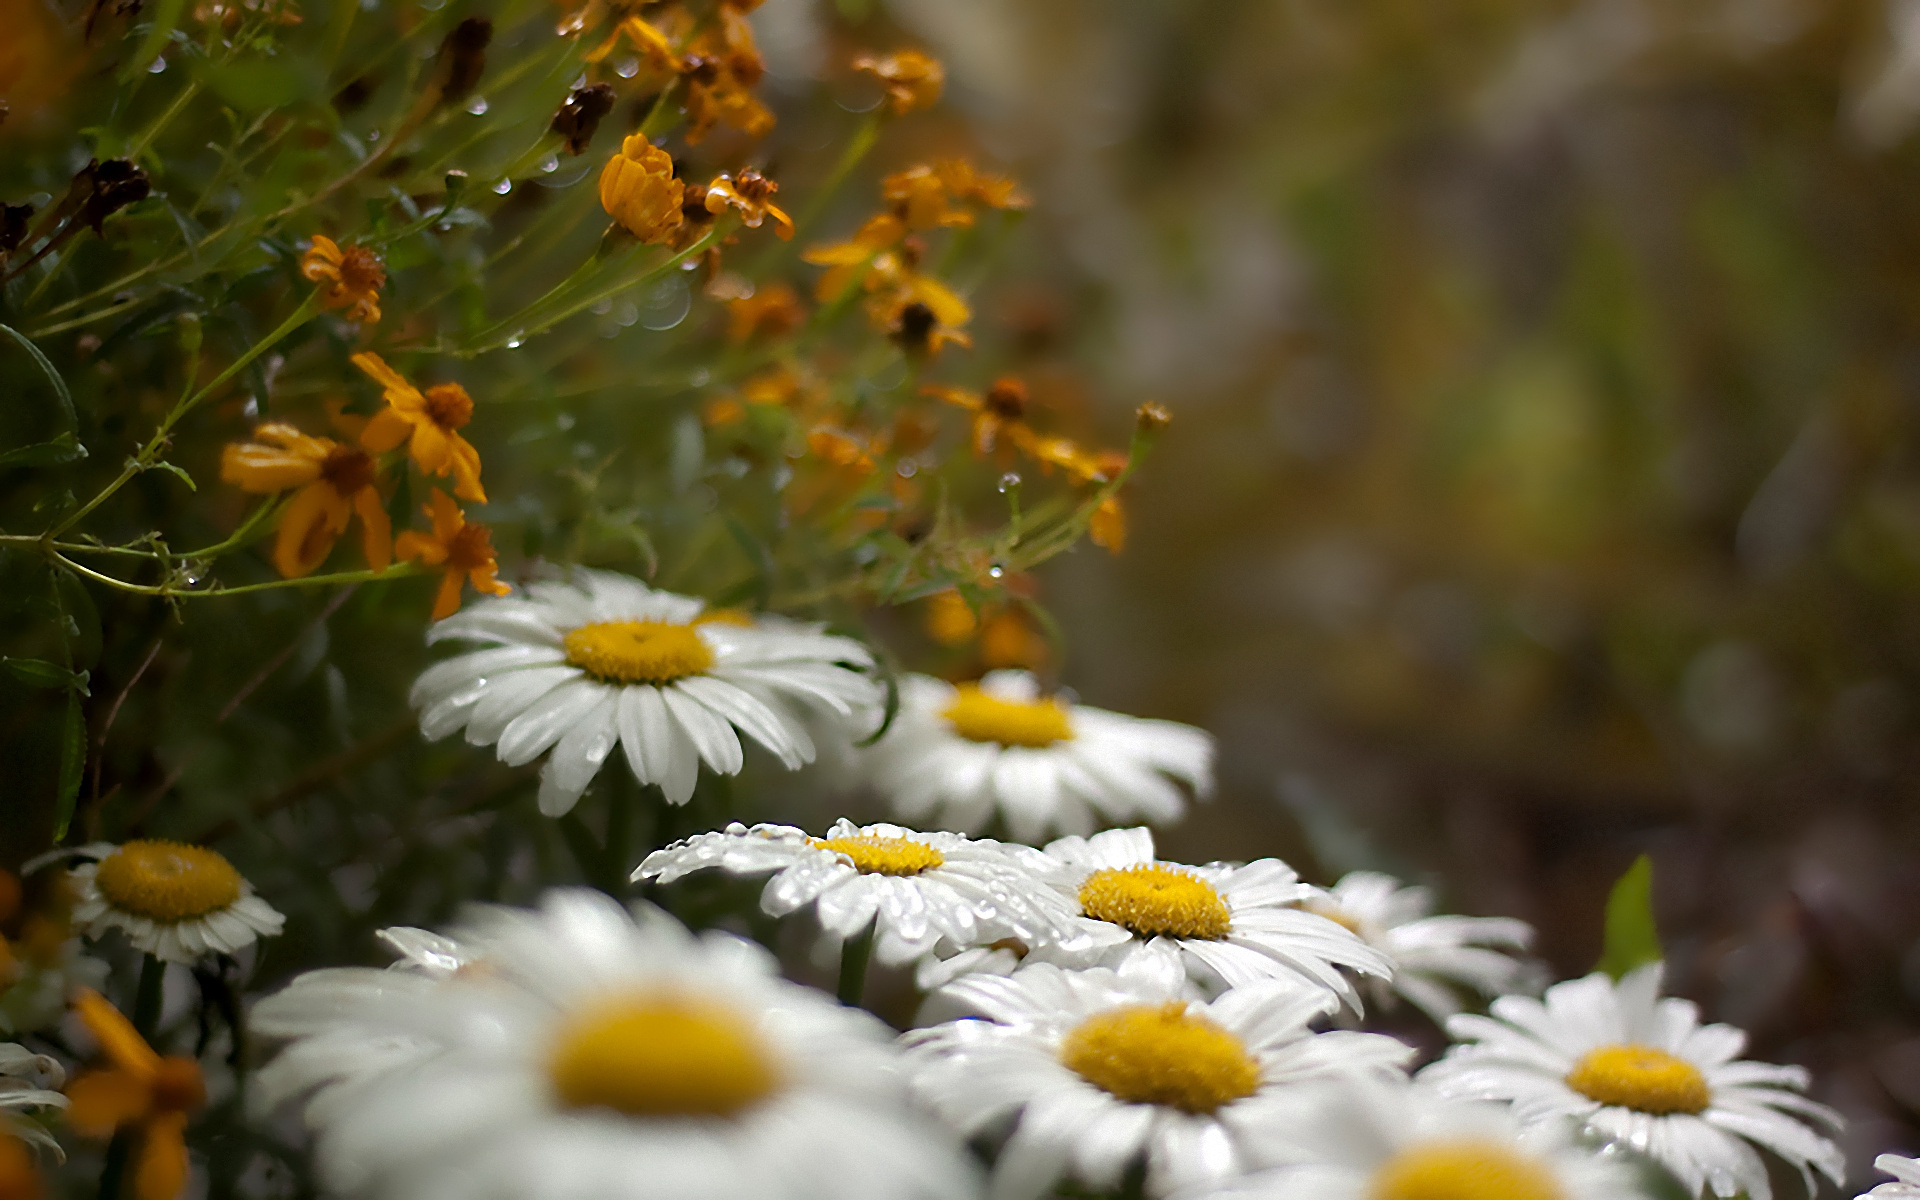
x,y
912,79
352,277
751,194
653,45
773,311
335,482
429,422
461,550
141,1091
1108,529
964,182
922,314
721,69
637,188
1002,407
867,255
921,199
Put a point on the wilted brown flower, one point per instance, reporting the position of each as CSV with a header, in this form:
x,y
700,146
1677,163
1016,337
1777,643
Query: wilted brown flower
x,y
579,118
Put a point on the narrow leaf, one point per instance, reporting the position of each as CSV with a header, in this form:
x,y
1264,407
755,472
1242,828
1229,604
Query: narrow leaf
x,y
73,763
36,672
53,376
1632,938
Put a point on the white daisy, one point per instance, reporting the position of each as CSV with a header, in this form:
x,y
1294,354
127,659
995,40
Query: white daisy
x,y
1642,1071
1232,924
590,1054
176,902
26,1083
1431,956
960,756
917,890
1094,1070
332,1020
1906,1178
44,976
578,668
1361,1139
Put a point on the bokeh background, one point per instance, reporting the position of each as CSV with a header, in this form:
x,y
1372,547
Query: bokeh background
x,y
1543,483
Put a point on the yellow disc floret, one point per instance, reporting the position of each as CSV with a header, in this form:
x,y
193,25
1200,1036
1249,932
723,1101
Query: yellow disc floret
x,y
1462,1170
1155,899
884,855
1642,1078
638,651
980,717
1161,1054
661,1056
167,881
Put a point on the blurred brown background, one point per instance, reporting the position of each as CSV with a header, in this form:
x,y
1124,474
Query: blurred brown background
x,y
1543,483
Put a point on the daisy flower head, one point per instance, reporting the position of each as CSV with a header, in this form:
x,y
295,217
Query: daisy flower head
x,y
1094,1070
591,1053
919,891
580,667
1231,924
176,902
1432,957
1906,1178
1643,1072
26,1083
964,755
1364,1139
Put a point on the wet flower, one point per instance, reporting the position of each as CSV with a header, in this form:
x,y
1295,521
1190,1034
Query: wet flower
x,y
351,278
913,80
429,422
462,550
655,46
25,1080
1096,1070
176,902
1641,1070
580,668
772,311
1906,1178
638,190
721,68
336,483
140,1091
751,194
998,750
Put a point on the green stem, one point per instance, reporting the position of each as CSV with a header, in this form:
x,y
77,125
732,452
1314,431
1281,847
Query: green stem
x,y
854,955
115,1168
146,999
396,571
140,462
160,122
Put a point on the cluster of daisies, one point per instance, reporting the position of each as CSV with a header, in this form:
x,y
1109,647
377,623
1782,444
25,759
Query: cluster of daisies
x,y
1080,1018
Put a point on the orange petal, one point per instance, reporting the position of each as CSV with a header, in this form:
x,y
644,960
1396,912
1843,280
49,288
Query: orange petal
x,y
948,308
161,1172
385,430
118,1039
312,522
782,223
261,469
376,529
446,516
382,374
430,449
465,461
99,1102
447,601
411,546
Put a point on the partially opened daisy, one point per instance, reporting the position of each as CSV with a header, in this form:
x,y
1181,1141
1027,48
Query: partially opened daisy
x,y
1432,957
919,891
1642,1071
27,1081
176,902
1232,924
961,756
595,1055
1906,1178
1362,1139
579,668
1094,1070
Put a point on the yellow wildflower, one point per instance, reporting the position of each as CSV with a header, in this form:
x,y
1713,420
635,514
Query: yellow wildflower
x,y
751,194
429,422
773,311
866,254
335,481
463,552
922,314
141,1091
913,80
1003,406
352,277
653,45
638,190
721,69
920,198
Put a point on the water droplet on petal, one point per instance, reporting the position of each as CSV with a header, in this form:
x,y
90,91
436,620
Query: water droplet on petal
x,y
477,106
551,164
503,187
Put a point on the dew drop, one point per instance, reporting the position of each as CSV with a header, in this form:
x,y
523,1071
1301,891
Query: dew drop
x,y
503,187
627,68
1009,481
477,106
517,340
996,571
907,468
157,65
550,165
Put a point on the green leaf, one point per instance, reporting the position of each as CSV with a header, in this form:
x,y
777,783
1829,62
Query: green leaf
x,y
53,377
73,764
1632,938
172,469
166,15
37,672
63,449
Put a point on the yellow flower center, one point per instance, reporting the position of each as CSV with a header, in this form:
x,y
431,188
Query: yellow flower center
x,y
1642,1078
167,881
1462,1170
980,717
661,1056
884,855
1155,899
638,651
1159,1054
